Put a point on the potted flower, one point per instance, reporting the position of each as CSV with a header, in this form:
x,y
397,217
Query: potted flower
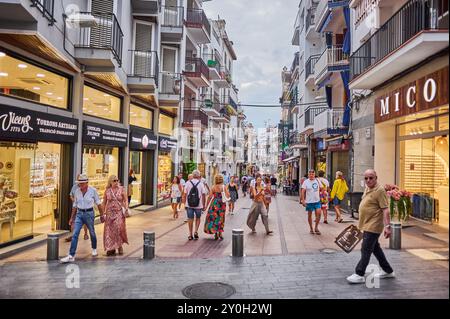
x,y
400,208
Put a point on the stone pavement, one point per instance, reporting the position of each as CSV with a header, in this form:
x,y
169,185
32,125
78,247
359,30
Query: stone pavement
x,y
317,275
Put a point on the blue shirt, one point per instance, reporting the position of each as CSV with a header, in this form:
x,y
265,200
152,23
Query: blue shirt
x,y
87,201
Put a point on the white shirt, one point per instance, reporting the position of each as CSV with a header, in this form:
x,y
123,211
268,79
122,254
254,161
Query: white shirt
x,y
87,201
201,190
175,191
182,182
323,181
312,191
253,183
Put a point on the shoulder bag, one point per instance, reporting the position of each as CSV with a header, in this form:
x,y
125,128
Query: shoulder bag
x,y
224,196
349,238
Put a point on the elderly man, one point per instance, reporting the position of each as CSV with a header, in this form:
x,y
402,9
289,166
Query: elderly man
x,y
374,219
194,198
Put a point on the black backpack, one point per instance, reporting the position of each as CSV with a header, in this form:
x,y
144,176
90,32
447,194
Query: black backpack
x,y
193,196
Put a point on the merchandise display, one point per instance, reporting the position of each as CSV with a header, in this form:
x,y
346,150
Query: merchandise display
x,y
164,176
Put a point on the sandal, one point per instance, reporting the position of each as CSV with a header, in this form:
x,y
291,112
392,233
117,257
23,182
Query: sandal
x,y
195,235
220,237
111,253
341,220
317,232
311,231
270,232
190,237
68,239
120,250
216,236
325,221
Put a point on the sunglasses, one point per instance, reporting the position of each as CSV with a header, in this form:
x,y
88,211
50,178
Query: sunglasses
x,y
369,178
116,180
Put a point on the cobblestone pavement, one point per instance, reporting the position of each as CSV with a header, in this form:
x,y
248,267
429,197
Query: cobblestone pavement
x,y
312,275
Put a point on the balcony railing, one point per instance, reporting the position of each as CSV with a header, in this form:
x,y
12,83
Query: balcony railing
x,y
106,35
212,61
311,112
172,16
194,117
295,62
47,8
310,65
195,67
170,83
145,64
198,18
330,57
415,16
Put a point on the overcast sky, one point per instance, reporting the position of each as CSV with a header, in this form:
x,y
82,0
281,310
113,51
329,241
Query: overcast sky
x,y
262,32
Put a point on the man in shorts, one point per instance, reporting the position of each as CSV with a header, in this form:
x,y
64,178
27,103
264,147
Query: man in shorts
x,y
310,198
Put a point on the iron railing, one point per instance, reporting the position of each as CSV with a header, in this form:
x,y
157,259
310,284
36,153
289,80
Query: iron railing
x,y
195,67
415,16
172,16
47,7
196,18
106,35
311,112
212,62
145,64
226,74
170,83
333,55
310,65
194,117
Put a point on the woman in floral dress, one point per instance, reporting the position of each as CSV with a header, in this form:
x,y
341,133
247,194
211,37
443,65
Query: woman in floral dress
x,y
115,233
215,217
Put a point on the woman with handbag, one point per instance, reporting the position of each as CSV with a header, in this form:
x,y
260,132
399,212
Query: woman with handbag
x,y
216,207
258,207
175,195
116,210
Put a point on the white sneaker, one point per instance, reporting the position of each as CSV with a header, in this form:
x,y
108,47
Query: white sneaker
x,y
68,259
94,253
356,279
382,275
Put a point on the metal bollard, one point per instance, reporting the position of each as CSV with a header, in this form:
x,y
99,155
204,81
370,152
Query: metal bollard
x,y
238,243
53,246
395,241
149,245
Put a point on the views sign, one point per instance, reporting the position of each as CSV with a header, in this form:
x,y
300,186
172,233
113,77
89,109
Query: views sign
x,y
423,94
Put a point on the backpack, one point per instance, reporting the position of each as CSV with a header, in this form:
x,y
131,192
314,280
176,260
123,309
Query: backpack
x,y
193,196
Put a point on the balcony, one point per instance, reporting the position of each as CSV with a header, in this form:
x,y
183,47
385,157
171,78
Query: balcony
x,y
198,25
98,44
333,59
170,89
211,104
46,7
213,65
196,71
296,35
223,117
172,24
310,70
330,15
415,32
310,20
145,7
298,140
222,82
310,114
329,122
195,119
144,75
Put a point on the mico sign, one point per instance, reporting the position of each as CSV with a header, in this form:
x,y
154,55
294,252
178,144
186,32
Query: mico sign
x,y
425,93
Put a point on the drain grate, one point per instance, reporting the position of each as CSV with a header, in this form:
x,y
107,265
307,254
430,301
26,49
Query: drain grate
x,y
328,251
209,290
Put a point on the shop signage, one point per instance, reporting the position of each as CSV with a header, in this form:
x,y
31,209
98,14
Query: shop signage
x,y
99,134
21,124
167,144
425,93
284,130
142,139
320,144
338,145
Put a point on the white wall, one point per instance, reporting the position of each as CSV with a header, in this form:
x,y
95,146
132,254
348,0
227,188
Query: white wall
x,y
385,152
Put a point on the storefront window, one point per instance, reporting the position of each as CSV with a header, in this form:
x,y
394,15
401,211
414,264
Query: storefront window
x,y
141,117
100,162
135,190
164,176
166,124
418,127
101,104
29,188
24,80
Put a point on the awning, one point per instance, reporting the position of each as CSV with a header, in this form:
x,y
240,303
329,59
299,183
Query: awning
x,y
290,159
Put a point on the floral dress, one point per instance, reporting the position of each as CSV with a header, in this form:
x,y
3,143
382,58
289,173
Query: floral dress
x,y
215,218
115,233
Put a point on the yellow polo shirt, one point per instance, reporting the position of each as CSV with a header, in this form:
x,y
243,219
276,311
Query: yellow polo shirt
x,y
371,209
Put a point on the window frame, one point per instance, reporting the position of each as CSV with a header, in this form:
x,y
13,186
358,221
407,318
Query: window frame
x,y
98,88
152,128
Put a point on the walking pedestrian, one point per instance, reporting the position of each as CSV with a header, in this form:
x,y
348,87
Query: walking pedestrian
x,y
85,197
258,207
338,192
194,197
273,183
232,189
182,183
72,218
131,178
116,208
267,193
215,216
226,178
175,194
324,191
374,219
244,183
310,198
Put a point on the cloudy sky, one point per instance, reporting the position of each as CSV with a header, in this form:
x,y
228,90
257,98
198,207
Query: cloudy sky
x,y
262,32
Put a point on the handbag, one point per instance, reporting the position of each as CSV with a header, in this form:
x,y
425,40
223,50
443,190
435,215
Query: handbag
x,y
224,196
125,211
349,238
102,219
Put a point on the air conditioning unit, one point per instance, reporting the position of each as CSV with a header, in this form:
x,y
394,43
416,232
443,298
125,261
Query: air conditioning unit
x,y
81,20
190,67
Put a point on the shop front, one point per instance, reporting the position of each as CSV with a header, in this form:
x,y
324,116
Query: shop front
x,y
35,148
338,157
416,117
166,166
103,148
319,155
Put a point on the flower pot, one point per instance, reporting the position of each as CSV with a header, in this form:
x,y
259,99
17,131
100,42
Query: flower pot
x,y
395,241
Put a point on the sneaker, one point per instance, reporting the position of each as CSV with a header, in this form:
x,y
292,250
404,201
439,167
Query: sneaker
x,y
356,279
382,275
94,253
68,259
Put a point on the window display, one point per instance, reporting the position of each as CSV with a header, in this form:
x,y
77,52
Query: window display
x,y
164,176
136,186
101,104
166,124
141,117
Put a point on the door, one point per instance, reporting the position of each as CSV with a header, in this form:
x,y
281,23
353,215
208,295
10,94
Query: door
x,y
101,35
170,81
142,59
171,17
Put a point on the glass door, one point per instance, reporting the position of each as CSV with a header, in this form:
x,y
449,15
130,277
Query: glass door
x,y
135,189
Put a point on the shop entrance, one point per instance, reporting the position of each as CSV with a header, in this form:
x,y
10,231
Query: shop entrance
x,y
141,162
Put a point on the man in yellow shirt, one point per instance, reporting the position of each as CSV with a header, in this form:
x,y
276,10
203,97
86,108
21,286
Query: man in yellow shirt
x,y
374,219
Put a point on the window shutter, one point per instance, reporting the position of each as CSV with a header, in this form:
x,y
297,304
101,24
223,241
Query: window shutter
x,y
143,63
101,35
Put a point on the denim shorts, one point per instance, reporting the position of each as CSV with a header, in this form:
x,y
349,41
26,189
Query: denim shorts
x,y
337,201
193,211
313,206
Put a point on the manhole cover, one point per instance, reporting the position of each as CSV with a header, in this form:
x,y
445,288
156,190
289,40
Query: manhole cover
x,y
208,290
328,251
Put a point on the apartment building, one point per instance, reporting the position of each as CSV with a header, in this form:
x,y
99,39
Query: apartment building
x,y
399,83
